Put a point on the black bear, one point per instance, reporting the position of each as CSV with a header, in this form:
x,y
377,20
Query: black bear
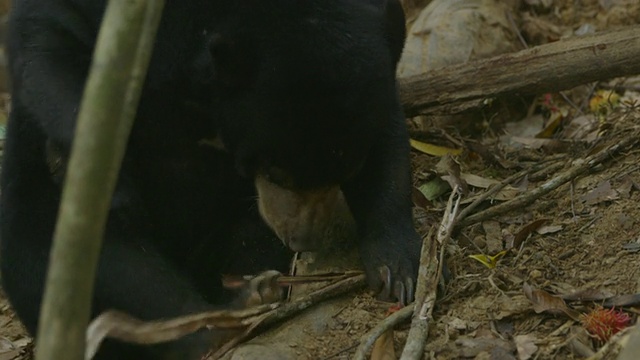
x,y
289,102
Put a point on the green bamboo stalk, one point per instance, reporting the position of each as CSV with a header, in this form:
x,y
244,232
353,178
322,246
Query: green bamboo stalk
x,y
107,110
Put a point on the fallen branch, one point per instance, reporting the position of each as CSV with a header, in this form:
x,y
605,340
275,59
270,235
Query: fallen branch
x,y
429,275
296,306
575,171
493,190
124,327
304,302
629,344
426,292
613,349
546,68
367,341
113,324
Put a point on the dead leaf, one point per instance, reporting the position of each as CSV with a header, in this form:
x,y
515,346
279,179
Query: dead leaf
x,y
6,344
544,302
434,188
485,183
553,123
526,346
458,324
515,305
507,193
478,181
10,354
524,233
624,190
447,165
549,229
489,261
419,199
508,239
583,127
535,143
603,101
383,347
588,295
603,192
525,128
434,150
472,347
23,342
10,350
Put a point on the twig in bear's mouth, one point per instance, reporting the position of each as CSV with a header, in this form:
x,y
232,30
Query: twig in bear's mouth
x,y
238,281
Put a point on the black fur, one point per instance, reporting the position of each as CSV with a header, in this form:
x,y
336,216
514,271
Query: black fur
x,y
304,86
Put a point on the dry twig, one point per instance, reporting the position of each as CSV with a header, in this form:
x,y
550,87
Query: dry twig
x,y
496,189
615,346
123,327
367,341
429,274
575,171
296,306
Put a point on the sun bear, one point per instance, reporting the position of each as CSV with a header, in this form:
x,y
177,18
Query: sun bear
x,y
255,116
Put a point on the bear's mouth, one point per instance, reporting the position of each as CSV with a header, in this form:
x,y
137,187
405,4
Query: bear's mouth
x,y
299,218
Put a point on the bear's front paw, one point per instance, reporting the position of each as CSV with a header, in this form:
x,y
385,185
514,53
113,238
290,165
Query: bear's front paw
x,y
262,289
392,267
396,285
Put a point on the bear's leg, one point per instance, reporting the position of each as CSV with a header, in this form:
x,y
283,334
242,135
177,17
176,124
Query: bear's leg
x,y
380,200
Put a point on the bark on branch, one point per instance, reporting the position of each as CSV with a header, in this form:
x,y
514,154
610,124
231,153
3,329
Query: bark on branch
x,y
547,68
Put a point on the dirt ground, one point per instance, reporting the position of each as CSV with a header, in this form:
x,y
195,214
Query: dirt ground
x,y
580,242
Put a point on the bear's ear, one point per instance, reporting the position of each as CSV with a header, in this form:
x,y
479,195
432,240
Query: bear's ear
x,y
395,23
234,65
